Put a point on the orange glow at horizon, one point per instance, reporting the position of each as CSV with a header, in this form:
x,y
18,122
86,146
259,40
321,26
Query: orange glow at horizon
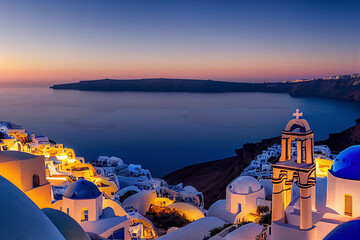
x,y
56,42
46,70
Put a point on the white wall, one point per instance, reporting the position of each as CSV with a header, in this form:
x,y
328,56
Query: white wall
x,y
94,207
247,201
336,190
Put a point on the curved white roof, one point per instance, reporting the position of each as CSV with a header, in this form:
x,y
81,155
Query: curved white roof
x,y
192,212
20,218
116,159
190,189
195,230
244,185
124,190
246,232
68,227
141,201
218,209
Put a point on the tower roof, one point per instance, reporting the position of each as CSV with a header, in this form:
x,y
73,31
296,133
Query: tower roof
x,y
298,124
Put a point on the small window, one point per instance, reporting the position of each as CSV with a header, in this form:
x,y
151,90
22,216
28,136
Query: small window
x,y
36,181
60,208
119,234
84,215
67,211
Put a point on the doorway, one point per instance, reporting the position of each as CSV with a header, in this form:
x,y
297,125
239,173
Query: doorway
x,y
348,205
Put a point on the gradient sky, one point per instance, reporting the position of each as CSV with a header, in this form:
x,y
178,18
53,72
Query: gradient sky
x,y
47,42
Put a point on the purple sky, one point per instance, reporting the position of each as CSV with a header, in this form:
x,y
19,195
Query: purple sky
x,y
48,42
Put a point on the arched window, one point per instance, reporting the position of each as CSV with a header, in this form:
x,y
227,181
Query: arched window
x,y
36,180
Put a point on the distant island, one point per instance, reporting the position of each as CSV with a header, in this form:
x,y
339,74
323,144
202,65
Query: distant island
x,y
345,87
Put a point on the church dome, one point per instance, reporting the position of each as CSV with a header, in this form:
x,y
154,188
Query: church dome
x,y
82,189
347,230
347,164
244,185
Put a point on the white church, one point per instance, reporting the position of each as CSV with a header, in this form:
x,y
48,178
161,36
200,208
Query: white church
x,y
305,206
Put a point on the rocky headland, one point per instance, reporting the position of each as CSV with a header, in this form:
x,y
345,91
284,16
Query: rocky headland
x,y
346,87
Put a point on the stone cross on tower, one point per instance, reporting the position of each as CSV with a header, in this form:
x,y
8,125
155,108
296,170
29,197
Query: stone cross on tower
x,y
297,114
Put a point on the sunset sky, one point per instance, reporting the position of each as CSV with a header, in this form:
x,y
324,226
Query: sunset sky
x,y
48,42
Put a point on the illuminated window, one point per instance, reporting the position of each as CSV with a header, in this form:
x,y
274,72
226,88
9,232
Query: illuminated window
x,y
84,215
36,180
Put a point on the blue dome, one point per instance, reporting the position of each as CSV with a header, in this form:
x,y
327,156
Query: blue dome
x,y
82,189
347,164
347,230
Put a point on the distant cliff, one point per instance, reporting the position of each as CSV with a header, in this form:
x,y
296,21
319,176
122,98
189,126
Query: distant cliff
x,y
159,85
346,87
211,178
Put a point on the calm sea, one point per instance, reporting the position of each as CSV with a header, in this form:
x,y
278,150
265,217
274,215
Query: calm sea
x,y
165,131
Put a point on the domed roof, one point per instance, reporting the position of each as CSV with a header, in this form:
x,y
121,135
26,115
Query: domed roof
x,y
244,185
247,231
141,201
20,218
68,227
218,209
347,164
82,189
347,230
189,210
116,159
190,189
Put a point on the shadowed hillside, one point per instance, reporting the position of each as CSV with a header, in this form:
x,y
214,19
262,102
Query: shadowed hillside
x,y
211,178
